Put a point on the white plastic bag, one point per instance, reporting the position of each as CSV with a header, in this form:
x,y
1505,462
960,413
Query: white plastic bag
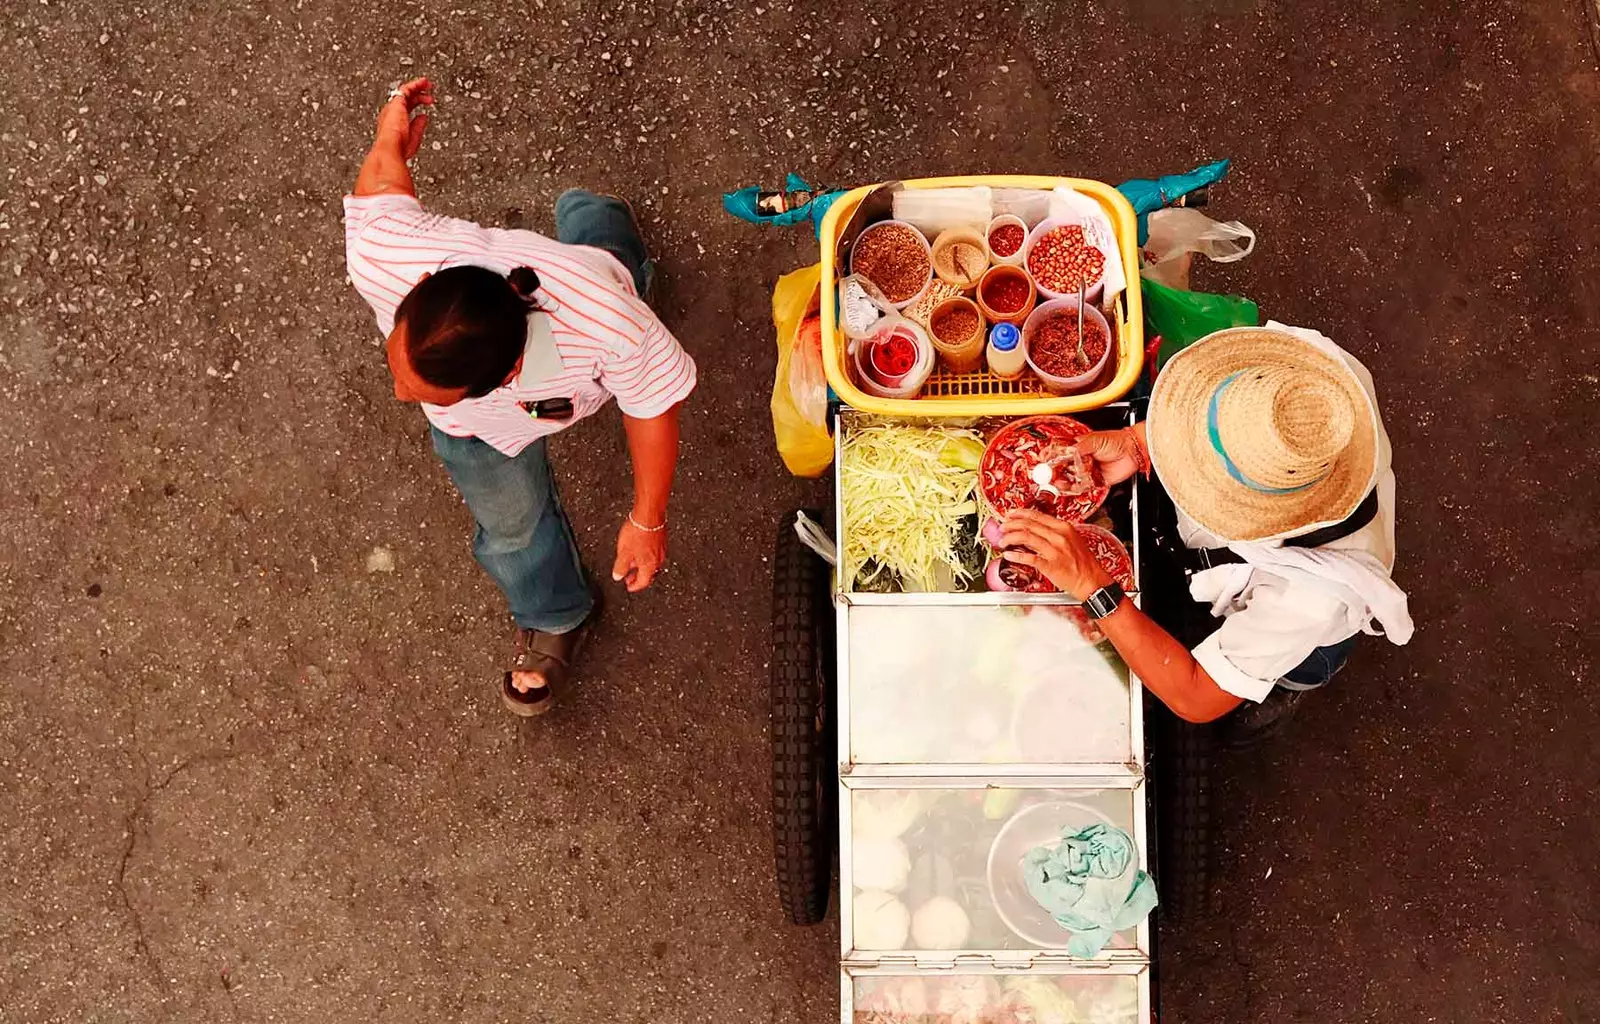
x,y
1030,204
1178,231
1074,207
932,210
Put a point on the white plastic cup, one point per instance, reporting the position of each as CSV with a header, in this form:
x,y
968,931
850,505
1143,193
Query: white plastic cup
x,y
911,384
1066,307
1016,258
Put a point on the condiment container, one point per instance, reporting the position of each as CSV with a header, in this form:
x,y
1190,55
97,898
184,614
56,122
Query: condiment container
x,y
1004,354
963,273
1005,220
1005,273
1044,227
961,354
1067,308
920,241
913,381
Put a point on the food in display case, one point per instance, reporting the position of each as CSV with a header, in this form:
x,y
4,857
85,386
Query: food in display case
x,y
1035,998
950,900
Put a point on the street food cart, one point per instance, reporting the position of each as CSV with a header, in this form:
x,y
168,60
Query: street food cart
x,y
925,741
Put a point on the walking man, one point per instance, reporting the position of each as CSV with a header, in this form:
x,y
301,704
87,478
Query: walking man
x,y
505,337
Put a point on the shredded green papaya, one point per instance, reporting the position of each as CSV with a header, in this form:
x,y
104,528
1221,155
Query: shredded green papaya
x,y
905,489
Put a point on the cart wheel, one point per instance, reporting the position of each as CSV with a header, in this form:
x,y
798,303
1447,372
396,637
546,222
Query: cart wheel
x,y
804,790
1181,759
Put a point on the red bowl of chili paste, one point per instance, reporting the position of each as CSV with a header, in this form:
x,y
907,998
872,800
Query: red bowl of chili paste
x,y
1110,552
1005,474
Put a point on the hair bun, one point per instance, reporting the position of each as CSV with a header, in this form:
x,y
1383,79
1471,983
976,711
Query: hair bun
x,y
524,282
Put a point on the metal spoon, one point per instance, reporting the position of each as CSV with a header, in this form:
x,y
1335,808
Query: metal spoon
x,y
1083,357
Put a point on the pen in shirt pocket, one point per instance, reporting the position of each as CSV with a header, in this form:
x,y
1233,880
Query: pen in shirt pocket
x,y
549,408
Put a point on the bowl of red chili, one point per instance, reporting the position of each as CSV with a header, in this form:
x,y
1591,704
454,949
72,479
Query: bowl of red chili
x,y
1005,294
1003,575
1005,473
1050,341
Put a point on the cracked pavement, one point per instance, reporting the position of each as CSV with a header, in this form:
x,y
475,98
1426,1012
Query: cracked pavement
x,y
252,766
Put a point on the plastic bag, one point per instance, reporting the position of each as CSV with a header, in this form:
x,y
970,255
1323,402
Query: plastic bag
x,y
1074,207
1182,318
932,210
1030,204
1176,232
800,388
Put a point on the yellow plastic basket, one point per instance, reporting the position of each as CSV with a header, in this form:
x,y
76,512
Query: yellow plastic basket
x,y
984,394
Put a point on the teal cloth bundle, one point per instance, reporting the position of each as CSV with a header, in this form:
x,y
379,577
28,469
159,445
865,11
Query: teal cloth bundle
x,y
1080,882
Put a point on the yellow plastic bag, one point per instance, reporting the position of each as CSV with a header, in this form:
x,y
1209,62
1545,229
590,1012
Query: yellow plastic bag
x,y
799,389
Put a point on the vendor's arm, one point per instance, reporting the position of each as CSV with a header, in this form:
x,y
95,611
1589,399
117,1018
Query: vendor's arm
x,y
642,540
399,136
1163,664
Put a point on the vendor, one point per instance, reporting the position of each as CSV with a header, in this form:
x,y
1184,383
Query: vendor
x,y
504,338
1276,504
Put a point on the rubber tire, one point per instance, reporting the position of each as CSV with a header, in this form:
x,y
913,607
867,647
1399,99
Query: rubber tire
x,y
804,772
1181,760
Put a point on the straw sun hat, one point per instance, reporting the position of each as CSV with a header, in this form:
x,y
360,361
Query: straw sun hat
x,y
1259,435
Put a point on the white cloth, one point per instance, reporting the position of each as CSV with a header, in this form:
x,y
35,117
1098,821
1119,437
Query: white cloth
x,y
1285,602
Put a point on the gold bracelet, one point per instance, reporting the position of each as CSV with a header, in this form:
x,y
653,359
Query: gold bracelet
x,y
647,529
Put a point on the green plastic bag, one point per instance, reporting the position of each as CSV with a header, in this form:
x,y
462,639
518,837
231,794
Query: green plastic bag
x,y
1182,318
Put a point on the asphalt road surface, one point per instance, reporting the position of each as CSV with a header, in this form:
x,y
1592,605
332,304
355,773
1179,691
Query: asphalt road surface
x,y
252,766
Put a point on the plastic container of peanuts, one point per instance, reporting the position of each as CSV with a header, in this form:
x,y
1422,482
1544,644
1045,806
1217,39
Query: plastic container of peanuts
x,y
1096,287
927,253
981,393
960,256
999,278
1075,383
961,354
1008,221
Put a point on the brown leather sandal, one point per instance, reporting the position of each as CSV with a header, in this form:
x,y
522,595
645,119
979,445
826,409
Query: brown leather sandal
x,y
549,654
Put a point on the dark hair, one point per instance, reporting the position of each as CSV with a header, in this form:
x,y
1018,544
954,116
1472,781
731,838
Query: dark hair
x,y
466,326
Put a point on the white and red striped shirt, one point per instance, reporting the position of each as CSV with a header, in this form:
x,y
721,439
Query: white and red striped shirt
x,y
609,341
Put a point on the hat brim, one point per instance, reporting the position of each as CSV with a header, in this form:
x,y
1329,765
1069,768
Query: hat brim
x,y
1197,480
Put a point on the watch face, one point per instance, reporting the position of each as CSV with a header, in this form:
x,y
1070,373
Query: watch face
x,y
1104,601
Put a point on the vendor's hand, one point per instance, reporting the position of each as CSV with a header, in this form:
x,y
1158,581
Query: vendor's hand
x,y
1119,453
396,122
1056,549
640,555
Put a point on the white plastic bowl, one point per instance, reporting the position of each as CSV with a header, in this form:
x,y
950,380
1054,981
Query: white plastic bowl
x,y
926,248
1091,294
1069,307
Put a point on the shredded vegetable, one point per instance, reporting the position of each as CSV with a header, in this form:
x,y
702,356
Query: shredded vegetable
x,y
905,490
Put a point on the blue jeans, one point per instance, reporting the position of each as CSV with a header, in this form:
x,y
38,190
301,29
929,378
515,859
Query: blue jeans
x,y
1320,666
523,539
604,222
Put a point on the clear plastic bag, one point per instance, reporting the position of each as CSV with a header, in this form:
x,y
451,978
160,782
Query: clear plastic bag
x,y
1179,231
932,210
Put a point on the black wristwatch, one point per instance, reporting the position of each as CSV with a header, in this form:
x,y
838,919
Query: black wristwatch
x,y
1104,601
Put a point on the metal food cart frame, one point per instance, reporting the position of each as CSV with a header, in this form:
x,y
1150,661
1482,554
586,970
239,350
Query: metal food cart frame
x,y
1125,776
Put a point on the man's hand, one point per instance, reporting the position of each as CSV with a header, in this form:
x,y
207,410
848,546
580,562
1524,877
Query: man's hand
x,y
1056,549
1119,453
640,555
399,123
